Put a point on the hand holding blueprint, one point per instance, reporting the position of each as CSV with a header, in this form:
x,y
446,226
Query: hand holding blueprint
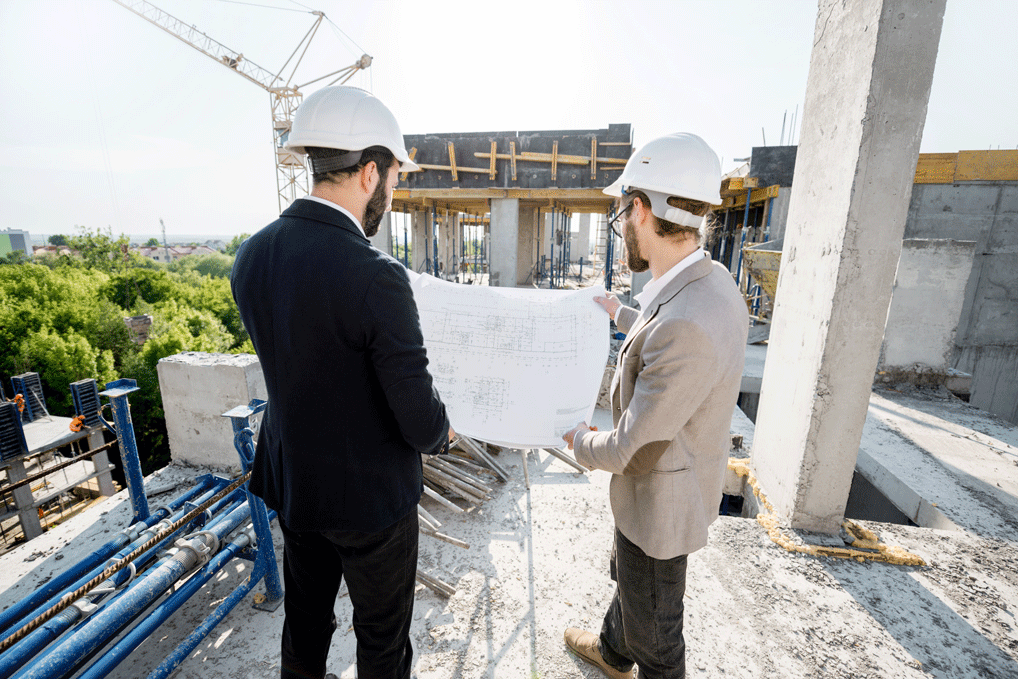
x,y
514,366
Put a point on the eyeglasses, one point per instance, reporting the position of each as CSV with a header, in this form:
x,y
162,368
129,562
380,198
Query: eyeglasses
x,y
617,218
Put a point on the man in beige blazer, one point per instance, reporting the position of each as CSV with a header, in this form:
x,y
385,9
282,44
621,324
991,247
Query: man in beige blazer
x,y
672,398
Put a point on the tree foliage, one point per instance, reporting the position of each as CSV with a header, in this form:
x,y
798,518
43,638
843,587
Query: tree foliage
x,y
64,319
152,243
234,245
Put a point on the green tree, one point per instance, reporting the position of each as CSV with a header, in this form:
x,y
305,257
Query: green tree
x,y
152,243
101,251
216,265
58,240
61,359
234,245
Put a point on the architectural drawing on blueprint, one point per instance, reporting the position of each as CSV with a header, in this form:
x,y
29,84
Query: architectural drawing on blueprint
x,y
517,367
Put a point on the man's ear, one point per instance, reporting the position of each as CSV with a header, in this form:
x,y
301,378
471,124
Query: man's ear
x,y
640,209
368,175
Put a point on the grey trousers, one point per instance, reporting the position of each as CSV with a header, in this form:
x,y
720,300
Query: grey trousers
x,y
643,624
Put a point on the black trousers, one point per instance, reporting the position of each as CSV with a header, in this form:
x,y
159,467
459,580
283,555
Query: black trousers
x,y
380,571
644,620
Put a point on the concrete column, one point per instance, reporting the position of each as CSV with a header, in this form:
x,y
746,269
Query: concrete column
x,y
547,233
505,220
637,281
582,245
866,98
447,243
525,242
419,239
455,244
383,239
197,388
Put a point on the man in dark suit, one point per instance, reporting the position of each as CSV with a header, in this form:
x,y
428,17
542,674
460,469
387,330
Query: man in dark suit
x,y
351,403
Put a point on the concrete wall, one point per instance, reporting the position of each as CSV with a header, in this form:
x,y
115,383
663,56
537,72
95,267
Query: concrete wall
x,y
987,337
929,290
197,388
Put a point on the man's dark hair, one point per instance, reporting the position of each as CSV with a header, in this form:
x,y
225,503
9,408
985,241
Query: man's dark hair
x,y
331,166
666,228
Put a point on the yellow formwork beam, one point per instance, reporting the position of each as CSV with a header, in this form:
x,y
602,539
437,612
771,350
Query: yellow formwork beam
x,y
967,166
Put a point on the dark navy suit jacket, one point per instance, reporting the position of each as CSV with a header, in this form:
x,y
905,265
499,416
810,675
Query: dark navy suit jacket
x,y
351,402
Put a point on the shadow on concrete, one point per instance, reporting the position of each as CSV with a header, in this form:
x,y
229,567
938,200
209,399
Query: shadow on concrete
x,y
929,629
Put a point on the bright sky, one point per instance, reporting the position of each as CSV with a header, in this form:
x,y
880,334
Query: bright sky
x,y
110,121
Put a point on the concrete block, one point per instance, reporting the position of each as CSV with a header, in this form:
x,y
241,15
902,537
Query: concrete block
x,y
197,388
929,291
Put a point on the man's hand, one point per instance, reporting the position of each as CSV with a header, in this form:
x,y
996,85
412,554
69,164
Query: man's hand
x,y
452,434
571,434
610,304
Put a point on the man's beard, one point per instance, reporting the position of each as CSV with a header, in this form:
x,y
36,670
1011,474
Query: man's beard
x,y
634,259
375,209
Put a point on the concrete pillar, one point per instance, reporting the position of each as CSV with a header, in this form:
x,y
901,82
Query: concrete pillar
x,y
455,244
383,239
505,220
547,234
866,98
637,281
447,243
419,240
197,388
582,245
526,251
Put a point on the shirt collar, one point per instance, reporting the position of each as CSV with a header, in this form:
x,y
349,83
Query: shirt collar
x,y
653,288
340,208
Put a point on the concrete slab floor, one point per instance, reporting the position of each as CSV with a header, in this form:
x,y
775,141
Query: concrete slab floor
x,y
538,563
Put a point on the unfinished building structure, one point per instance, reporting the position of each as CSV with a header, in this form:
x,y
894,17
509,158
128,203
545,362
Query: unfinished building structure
x,y
958,261
506,199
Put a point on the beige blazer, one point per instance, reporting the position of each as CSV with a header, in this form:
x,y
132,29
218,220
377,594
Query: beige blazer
x,y
674,391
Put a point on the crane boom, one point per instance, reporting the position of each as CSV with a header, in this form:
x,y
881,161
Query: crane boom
x,y
190,35
291,173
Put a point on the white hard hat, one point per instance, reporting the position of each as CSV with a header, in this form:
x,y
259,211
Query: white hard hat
x,y
680,165
350,119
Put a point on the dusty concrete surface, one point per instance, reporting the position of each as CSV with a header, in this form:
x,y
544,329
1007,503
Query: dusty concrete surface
x,y
538,563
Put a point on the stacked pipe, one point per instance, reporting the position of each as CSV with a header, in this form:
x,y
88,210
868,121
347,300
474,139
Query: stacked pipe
x,y
457,475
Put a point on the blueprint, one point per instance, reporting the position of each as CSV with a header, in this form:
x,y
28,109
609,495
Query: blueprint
x,y
516,367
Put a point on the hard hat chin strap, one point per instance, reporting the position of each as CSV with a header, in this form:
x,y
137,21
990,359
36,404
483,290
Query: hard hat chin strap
x,y
662,210
333,163
680,217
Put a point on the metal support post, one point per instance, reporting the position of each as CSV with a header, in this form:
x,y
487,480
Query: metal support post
x,y
745,221
117,392
265,557
609,252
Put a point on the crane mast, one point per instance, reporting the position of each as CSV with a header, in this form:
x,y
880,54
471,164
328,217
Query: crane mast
x,y
291,173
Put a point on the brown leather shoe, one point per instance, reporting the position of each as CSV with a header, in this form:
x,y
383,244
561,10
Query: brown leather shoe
x,y
584,644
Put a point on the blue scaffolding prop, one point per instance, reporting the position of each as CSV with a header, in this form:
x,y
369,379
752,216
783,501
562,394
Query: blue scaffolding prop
x,y
168,554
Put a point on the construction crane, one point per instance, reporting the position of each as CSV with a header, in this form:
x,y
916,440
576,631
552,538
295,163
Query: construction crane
x,y
291,173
